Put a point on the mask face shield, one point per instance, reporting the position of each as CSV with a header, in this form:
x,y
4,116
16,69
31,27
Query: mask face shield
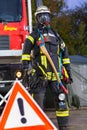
x,y
43,18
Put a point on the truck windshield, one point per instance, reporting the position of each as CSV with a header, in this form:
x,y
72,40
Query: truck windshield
x,y
10,10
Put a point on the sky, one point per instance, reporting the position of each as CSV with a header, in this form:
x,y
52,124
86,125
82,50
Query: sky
x,y
73,3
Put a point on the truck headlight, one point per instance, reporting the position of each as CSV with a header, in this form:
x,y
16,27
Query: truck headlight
x,y
18,74
61,96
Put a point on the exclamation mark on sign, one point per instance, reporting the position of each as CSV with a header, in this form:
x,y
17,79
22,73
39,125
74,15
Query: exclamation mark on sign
x,y
21,109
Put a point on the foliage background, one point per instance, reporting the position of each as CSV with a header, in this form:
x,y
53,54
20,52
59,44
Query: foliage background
x,y
71,24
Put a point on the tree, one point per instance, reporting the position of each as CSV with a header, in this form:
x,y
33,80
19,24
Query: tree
x,y
70,24
79,29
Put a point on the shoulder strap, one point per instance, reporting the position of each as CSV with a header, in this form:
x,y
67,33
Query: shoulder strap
x,y
59,39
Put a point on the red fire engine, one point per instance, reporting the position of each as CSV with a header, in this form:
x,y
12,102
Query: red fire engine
x,y
15,24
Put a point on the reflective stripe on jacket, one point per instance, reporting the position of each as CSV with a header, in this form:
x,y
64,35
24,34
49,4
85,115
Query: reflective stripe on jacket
x,y
33,41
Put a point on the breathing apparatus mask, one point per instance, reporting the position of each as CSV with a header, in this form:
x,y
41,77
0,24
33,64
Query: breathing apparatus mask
x,y
42,15
43,18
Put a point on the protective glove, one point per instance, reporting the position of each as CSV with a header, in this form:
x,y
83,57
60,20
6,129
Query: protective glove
x,y
27,67
26,64
66,75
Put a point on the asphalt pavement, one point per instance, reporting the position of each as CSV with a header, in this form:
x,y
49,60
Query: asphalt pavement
x,y
77,119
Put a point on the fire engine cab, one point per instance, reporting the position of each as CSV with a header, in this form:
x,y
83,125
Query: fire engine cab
x,y
15,24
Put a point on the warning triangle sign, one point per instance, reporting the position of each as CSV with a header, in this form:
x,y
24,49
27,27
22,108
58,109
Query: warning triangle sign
x,y
23,113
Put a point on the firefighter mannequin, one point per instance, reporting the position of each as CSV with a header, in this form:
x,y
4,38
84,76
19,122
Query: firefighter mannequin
x,y
44,33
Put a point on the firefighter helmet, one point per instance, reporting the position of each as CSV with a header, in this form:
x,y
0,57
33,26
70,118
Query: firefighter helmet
x,y
42,15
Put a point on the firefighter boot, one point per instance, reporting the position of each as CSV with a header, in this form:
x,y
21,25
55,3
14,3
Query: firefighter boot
x,y
63,122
